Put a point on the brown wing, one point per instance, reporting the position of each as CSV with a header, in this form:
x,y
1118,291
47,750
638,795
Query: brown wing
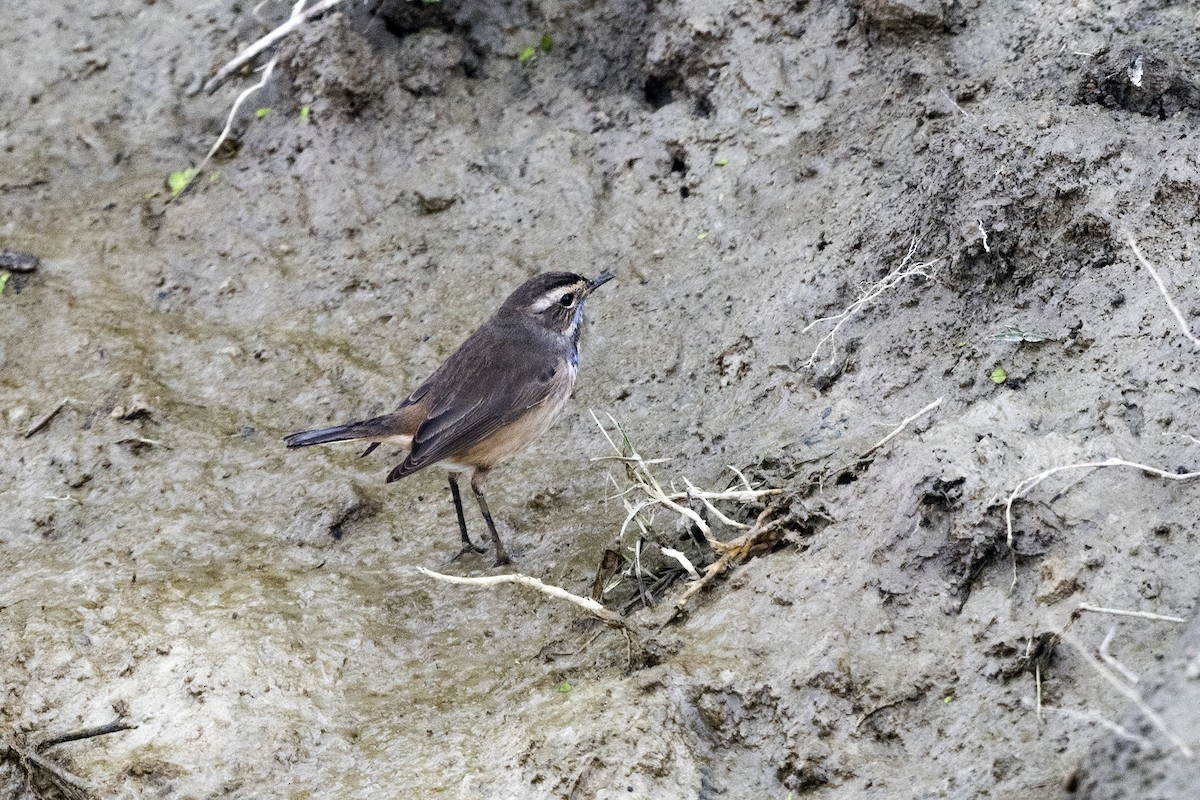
x,y
487,384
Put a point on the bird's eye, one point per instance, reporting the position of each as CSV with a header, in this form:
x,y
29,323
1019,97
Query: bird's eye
x,y
567,300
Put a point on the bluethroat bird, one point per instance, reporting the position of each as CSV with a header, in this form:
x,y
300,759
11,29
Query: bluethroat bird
x,y
497,393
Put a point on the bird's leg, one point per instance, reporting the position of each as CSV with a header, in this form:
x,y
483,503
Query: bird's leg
x,y
467,545
477,481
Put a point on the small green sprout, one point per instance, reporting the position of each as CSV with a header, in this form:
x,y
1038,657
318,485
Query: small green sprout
x,y
564,688
527,54
547,43
4,276
721,162
261,112
213,178
306,112
999,376
178,181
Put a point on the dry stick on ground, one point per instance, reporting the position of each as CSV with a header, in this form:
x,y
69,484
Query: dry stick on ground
x,y
1120,613
1029,483
644,481
1099,719
1131,695
44,420
1166,295
895,432
241,98
586,603
70,784
737,548
115,726
1111,660
31,759
894,278
298,18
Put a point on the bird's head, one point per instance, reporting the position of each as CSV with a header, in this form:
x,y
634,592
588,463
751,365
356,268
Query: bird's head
x,y
554,300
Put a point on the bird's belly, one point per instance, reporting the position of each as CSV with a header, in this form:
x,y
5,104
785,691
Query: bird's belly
x,y
514,438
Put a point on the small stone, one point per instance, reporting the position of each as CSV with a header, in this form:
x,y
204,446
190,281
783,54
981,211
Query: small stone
x,y
16,261
1058,581
903,15
136,408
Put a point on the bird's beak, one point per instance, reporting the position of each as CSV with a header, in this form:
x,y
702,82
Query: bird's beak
x,y
598,281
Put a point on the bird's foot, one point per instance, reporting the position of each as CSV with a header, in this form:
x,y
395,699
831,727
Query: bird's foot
x,y
468,548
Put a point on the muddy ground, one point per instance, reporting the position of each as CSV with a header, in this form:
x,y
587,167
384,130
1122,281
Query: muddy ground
x,y
745,168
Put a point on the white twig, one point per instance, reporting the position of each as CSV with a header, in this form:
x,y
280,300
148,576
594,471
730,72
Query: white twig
x,y
1187,436
904,424
983,233
645,482
682,559
241,98
1118,612
956,105
1029,483
1131,695
898,275
1091,716
297,19
585,603
1111,660
1187,331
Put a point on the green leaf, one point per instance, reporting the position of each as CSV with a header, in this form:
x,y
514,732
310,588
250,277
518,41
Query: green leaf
x,y
547,43
261,112
178,181
721,162
213,178
526,54
999,376
305,112
564,688
4,276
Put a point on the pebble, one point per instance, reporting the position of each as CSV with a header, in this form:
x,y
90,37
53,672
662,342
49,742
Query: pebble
x,y
16,261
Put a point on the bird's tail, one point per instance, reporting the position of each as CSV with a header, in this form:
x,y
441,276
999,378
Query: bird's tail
x,y
377,428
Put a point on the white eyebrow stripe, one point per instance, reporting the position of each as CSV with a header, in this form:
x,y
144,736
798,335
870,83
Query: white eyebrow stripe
x,y
551,297
547,300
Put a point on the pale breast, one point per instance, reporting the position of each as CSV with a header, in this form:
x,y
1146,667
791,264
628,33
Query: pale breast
x,y
514,438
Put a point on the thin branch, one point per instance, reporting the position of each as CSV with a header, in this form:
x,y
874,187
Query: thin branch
x,y
904,424
1091,716
297,19
894,278
684,561
241,98
1131,695
1118,612
1108,658
67,782
45,419
1187,331
87,733
1029,483
585,603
